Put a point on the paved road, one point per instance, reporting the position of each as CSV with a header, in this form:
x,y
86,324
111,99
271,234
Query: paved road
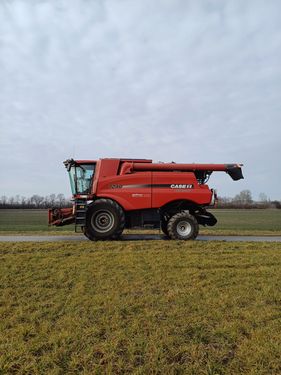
x,y
138,237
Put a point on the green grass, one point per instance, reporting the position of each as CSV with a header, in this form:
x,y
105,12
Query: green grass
x,y
144,307
19,220
268,220
248,222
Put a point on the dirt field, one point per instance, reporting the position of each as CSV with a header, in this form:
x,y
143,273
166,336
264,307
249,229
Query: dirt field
x,y
140,308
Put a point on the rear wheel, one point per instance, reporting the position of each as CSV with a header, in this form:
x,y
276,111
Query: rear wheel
x,y
105,220
182,226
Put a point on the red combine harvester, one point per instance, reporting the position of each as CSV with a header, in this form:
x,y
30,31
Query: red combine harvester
x,y
112,194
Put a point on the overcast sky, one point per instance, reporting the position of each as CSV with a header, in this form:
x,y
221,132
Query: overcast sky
x,y
188,81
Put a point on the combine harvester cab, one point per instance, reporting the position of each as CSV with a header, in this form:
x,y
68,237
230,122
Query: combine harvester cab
x,y
112,194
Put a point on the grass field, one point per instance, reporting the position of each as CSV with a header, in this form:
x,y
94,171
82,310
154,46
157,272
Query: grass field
x,y
28,221
229,222
140,308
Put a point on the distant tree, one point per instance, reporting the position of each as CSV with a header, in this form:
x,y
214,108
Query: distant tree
x,y
263,197
244,198
224,202
277,204
37,200
51,200
11,201
3,201
22,202
264,201
61,200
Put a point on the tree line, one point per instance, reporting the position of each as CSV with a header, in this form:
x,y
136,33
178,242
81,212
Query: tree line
x,y
242,200
35,201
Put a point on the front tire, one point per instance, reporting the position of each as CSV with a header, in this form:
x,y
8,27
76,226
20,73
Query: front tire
x,y
105,220
182,226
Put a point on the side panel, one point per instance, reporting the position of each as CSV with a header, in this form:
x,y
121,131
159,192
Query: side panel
x,y
171,186
104,167
132,192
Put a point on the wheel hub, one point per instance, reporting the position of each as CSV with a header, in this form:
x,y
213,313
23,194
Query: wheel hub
x,y
102,221
184,228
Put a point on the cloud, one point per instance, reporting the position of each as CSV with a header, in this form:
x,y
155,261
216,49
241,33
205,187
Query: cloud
x,y
190,81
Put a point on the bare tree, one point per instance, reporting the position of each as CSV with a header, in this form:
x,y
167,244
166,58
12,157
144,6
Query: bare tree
x,y
61,200
263,197
23,202
244,198
37,200
52,200
3,200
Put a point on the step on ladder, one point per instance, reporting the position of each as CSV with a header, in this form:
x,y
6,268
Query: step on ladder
x,y
80,217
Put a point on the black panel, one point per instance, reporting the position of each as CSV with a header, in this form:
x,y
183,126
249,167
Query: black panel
x,y
143,218
234,171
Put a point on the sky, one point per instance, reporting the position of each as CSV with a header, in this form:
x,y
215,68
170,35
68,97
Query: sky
x,y
172,80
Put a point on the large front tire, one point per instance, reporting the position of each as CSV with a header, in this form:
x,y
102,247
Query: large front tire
x,y
105,220
182,226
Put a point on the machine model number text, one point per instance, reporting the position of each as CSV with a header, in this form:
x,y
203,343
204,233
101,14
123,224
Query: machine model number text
x,y
116,186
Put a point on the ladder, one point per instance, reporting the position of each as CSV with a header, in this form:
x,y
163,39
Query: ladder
x,y
80,216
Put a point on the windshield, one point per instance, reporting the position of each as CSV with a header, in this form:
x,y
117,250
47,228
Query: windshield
x,y
81,177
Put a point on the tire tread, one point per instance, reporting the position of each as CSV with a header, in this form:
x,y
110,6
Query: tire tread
x,y
121,223
182,215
